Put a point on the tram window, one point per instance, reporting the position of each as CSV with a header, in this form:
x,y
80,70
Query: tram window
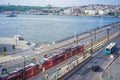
x,y
11,79
16,78
20,76
25,73
62,57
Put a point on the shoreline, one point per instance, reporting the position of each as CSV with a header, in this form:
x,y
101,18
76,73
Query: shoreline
x,y
68,15
77,35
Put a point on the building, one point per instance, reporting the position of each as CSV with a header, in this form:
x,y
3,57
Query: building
x,y
102,12
67,11
76,11
90,12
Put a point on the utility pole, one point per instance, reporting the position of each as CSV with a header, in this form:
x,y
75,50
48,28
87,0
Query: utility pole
x,y
77,39
91,50
24,64
53,45
95,35
16,37
108,34
119,30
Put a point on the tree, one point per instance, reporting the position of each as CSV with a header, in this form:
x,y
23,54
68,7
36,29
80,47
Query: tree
x,y
13,46
4,49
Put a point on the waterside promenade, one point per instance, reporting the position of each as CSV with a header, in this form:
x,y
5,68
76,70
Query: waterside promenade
x,y
20,45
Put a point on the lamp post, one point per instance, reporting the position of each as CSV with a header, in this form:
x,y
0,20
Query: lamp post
x,y
91,50
77,40
53,45
16,36
24,64
54,66
108,30
95,35
119,30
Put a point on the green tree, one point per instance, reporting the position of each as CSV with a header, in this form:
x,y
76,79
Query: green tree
x,y
13,46
4,49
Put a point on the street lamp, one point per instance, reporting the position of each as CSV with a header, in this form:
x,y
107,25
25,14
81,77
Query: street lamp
x,y
53,44
76,37
95,35
108,30
77,40
24,64
91,50
119,29
16,36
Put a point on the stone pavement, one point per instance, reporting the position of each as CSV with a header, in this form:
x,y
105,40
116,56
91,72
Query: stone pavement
x,y
21,45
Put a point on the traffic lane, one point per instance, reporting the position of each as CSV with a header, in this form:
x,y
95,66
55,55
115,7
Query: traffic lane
x,y
103,64
83,72
102,61
113,71
97,60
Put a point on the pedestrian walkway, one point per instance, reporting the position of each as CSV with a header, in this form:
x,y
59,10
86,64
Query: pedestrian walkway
x,y
12,46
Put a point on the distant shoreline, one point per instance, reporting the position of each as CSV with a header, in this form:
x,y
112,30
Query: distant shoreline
x,y
66,15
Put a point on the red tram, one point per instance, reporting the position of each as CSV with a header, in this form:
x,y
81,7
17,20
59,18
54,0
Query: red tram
x,y
22,74
68,53
34,68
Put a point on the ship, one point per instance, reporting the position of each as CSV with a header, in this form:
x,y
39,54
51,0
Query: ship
x,y
11,15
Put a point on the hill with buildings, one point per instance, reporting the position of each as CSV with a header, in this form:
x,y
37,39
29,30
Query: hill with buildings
x,y
89,10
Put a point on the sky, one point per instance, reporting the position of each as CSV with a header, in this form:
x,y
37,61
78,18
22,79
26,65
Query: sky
x,y
59,3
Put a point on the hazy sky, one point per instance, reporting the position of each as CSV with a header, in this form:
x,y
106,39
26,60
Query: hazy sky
x,y
59,2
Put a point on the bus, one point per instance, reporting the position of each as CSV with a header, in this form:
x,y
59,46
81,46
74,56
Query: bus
x,y
110,48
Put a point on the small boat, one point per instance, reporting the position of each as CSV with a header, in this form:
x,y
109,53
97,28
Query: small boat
x,y
11,15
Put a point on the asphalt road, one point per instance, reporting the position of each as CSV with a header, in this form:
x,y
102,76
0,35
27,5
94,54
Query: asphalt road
x,y
85,72
113,71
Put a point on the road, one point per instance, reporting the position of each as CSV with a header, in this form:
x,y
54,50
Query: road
x,y
113,71
84,72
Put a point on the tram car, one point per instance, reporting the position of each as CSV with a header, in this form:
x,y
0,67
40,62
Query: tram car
x,y
33,68
22,74
56,59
